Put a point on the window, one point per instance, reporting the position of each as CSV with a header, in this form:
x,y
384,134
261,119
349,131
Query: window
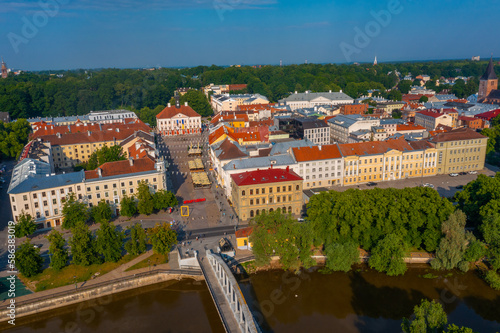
x,y
251,213
251,201
34,195
88,189
97,188
278,199
278,189
26,207
62,191
123,184
56,211
90,196
98,195
36,204
123,192
53,192
43,194
54,201
297,187
264,190
130,183
105,187
243,193
114,185
257,202
25,197
251,192
256,191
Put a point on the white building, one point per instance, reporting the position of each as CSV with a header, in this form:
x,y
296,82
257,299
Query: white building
x,y
342,126
309,99
110,116
178,120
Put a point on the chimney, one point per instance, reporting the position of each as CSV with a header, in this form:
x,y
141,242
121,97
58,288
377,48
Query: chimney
x,y
185,103
287,168
341,91
58,135
169,105
330,91
131,161
99,172
177,101
89,132
295,92
319,147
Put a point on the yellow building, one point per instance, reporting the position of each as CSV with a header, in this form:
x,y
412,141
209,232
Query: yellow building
x,y
386,160
460,150
243,238
258,191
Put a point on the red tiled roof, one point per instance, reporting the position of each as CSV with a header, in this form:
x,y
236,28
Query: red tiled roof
x,y
432,114
171,111
88,137
245,232
314,153
215,135
420,145
265,176
488,115
230,151
237,87
457,135
374,147
122,168
409,127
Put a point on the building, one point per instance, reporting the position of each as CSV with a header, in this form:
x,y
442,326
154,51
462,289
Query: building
x,y
489,115
271,189
310,99
472,122
227,102
431,119
460,150
319,165
243,238
5,71
178,120
110,116
36,191
5,117
354,109
312,129
342,126
95,117
389,107
386,160
488,85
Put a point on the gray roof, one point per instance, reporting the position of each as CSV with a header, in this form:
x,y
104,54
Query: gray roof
x,y
333,96
387,121
32,175
309,123
259,162
445,97
59,119
346,120
282,147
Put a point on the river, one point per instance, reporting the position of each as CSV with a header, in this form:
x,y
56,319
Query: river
x,y
360,301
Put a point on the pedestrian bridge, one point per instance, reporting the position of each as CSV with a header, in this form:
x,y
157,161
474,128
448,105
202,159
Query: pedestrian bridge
x,y
226,294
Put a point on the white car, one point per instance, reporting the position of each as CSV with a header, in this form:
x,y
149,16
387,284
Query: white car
x,y
428,185
453,174
473,172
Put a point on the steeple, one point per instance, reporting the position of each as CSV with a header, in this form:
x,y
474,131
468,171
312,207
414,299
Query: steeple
x,y
375,61
5,72
490,72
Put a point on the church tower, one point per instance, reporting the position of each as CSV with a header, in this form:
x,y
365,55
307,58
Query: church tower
x,y
5,73
375,61
488,82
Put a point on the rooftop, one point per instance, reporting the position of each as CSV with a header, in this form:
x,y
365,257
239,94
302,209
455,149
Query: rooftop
x,y
265,176
119,168
309,96
172,111
314,153
259,162
457,135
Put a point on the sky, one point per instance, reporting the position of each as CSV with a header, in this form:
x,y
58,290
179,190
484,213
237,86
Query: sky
x,y
72,34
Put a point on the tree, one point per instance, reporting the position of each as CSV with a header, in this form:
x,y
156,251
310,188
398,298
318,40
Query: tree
x,y
278,234
451,250
109,242
198,102
429,317
83,247
104,155
162,237
58,254
423,99
25,226
146,202
128,206
137,242
102,212
395,95
340,257
388,254
28,259
75,212
404,86
163,199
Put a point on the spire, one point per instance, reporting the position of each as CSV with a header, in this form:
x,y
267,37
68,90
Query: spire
x,y
490,72
375,61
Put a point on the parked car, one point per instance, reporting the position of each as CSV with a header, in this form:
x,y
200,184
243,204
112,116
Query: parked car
x,y
453,174
459,187
473,172
428,185
371,184
462,173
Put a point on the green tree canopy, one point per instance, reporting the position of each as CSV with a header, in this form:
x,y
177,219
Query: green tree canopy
x,y
25,225
75,212
137,242
102,212
162,237
28,259
58,254
341,257
128,206
164,199
83,246
146,202
104,155
388,256
109,242
13,137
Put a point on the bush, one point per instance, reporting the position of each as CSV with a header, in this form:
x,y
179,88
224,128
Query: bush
x,y
493,279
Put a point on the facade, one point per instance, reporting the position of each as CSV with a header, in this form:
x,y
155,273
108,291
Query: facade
x,y
110,116
319,165
312,129
431,119
227,102
178,120
389,107
272,189
36,191
488,83
460,150
354,109
342,126
386,160
310,100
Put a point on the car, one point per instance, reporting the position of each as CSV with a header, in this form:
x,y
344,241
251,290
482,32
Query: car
x,y
462,173
459,187
473,172
428,185
371,184
453,174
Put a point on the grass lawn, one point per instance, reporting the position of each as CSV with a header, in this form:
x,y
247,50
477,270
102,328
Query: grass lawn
x,y
50,278
155,259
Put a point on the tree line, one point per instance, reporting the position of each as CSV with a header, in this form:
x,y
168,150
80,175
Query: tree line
x,y
78,92
493,148
13,137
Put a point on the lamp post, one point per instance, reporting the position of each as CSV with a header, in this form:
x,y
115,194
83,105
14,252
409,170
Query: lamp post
x,y
76,285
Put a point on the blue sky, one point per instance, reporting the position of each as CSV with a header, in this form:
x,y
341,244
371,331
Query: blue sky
x,y
132,33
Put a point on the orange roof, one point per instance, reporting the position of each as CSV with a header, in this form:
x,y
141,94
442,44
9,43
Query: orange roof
x,y
245,232
122,168
409,127
374,147
171,111
314,153
457,135
245,136
140,149
215,135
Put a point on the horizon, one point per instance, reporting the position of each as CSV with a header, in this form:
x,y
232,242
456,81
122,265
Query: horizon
x,y
79,34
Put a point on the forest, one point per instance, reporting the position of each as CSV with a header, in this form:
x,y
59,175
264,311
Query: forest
x,y
77,92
